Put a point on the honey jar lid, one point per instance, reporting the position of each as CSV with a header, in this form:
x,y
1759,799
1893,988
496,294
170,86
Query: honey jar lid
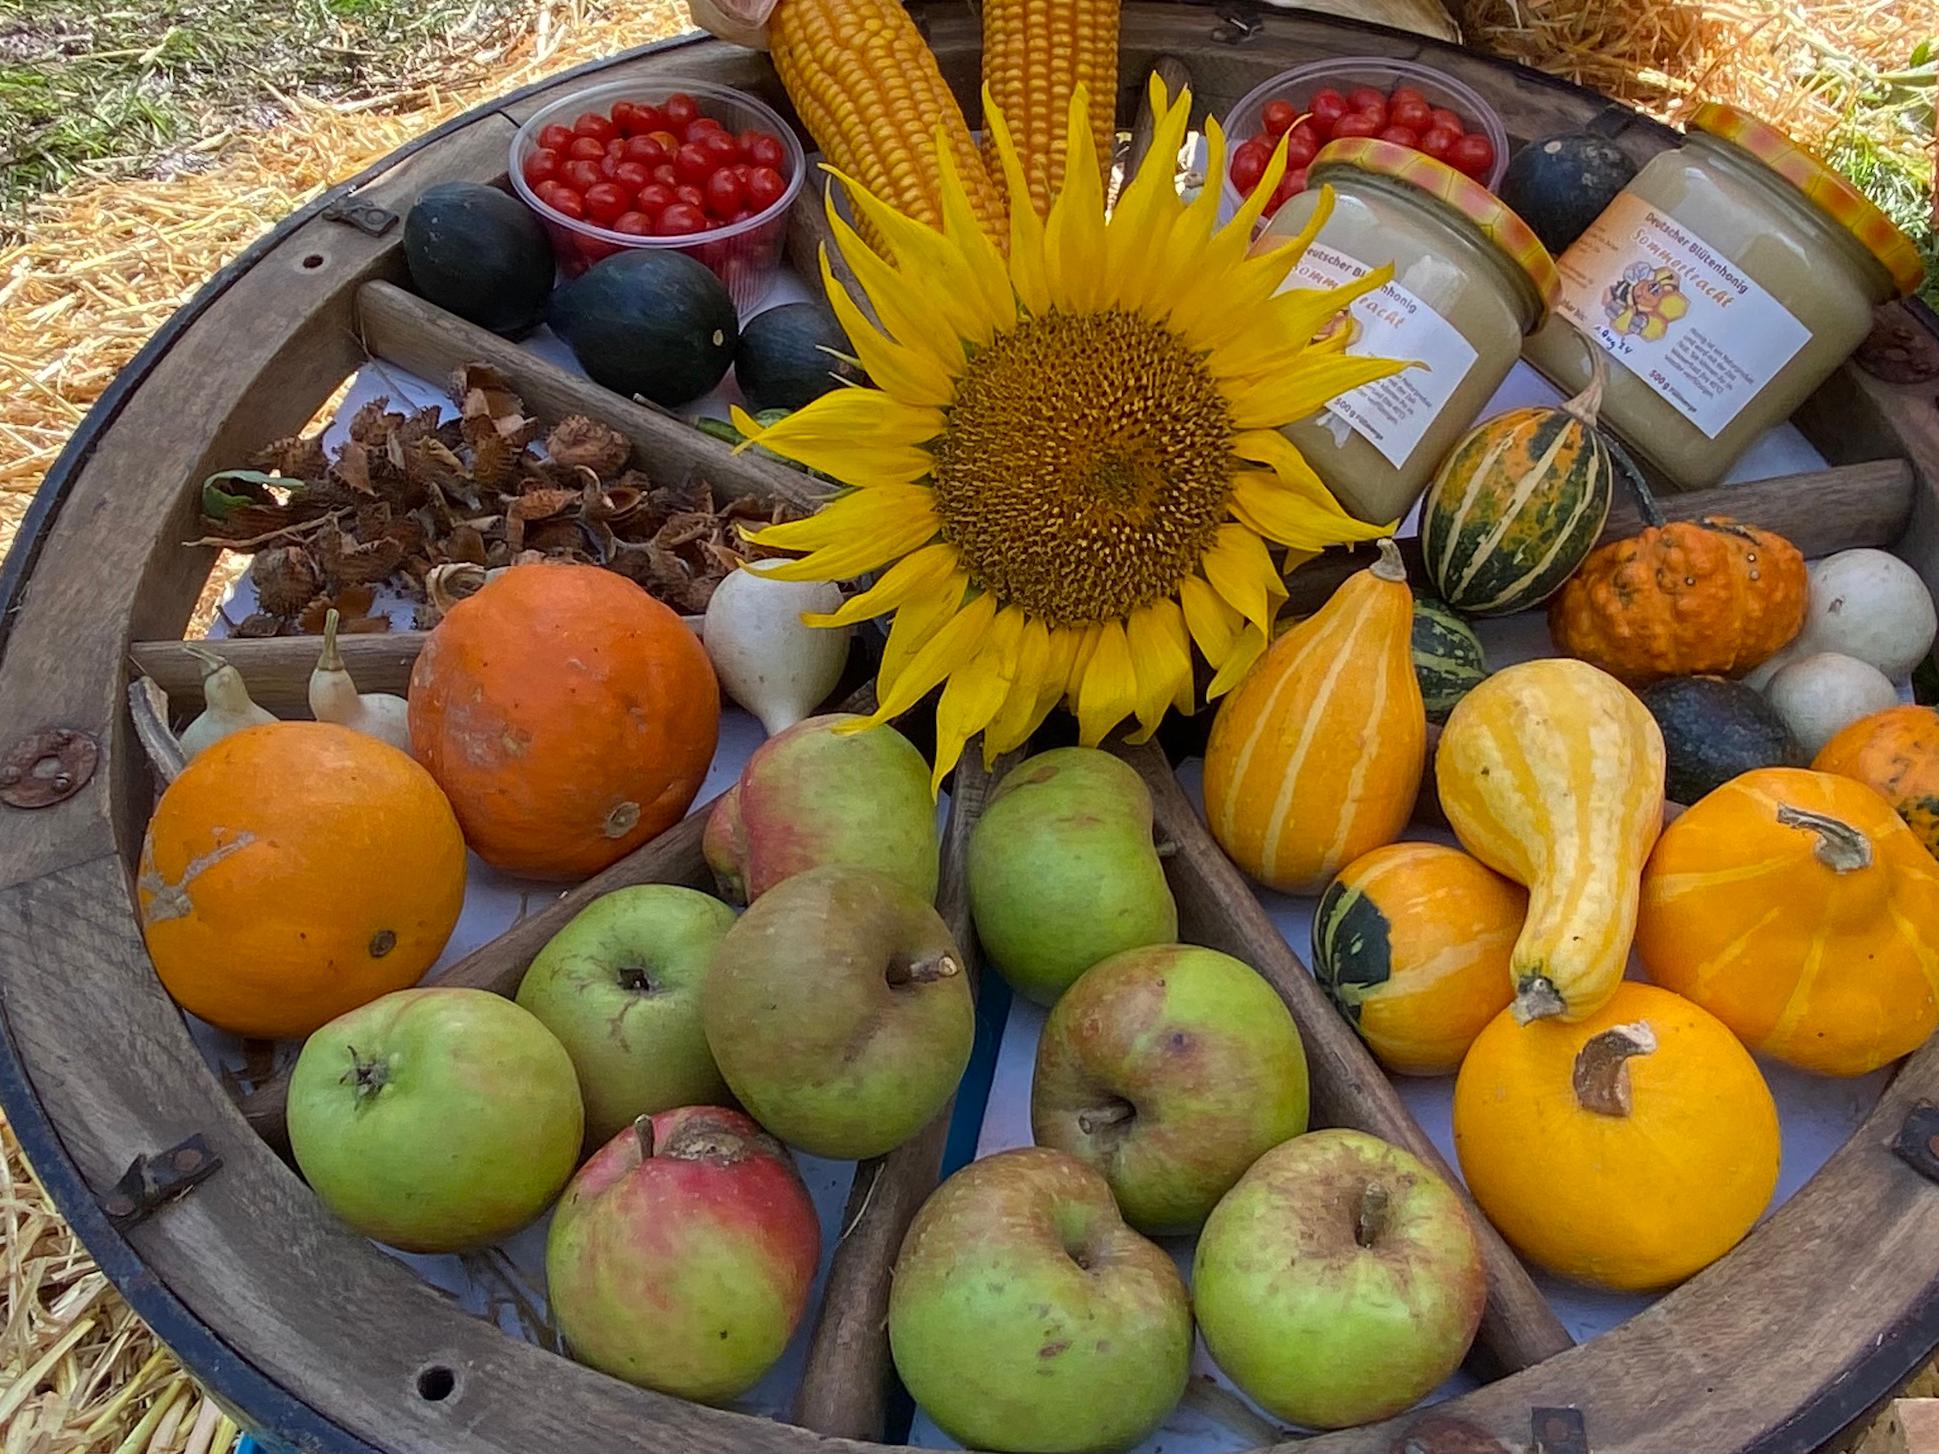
x,y
1496,220
1850,208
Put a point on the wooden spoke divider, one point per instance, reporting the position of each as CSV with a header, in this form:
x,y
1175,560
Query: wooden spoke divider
x,y
316,1338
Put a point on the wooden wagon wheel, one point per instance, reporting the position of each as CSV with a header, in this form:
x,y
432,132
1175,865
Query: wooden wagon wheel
x,y
315,1338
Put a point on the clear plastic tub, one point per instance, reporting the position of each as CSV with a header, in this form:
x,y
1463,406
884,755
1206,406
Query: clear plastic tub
x,y
1299,85
744,255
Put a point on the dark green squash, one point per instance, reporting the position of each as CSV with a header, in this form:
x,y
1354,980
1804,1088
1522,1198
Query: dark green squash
x,y
479,253
649,322
1448,660
1714,730
784,360
1561,184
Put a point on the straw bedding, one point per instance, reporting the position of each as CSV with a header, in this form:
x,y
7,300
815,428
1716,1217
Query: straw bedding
x,y
99,267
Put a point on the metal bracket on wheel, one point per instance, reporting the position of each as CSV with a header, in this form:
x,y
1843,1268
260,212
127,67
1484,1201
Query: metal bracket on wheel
x,y
1917,1143
1235,27
150,1181
1559,1431
364,216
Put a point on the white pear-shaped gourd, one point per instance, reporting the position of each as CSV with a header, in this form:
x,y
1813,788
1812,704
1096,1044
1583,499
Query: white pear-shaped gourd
x,y
768,659
229,707
1818,696
334,698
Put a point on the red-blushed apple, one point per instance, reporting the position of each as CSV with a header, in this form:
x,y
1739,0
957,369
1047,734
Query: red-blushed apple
x,y
681,1256
813,796
1171,1069
620,986
1340,1281
1024,1315
838,1011
435,1120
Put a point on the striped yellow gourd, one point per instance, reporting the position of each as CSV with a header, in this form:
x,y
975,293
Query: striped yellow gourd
x,y
1551,772
1316,757
1036,53
871,94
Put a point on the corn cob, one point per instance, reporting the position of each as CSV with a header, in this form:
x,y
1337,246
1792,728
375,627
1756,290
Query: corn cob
x,y
1035,54
870,92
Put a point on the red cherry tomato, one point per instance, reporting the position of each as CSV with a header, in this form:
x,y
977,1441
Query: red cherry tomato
x,y
1326,107
555,137
598,127
765,187
1410,111
679,109
691,195
1367,98
634,224
669,143
648,117
597,249
692,162
654,198
1447,118
666,175
1356,123
625,118
644,150
1436,140
1248,166
741,216
1401,136
541,166
606,201
743,170
610,164
1403,93
632,175
725,194
567,202
1278,117
586,148
580,174
1472,154
721,148
1300,148
699,125
762,149
682,220
544,190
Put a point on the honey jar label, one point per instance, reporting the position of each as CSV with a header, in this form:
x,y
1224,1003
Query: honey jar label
x,y
1676,312
1393,413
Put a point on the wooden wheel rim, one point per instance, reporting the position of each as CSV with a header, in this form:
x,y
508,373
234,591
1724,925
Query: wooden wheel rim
x,y
1657,1382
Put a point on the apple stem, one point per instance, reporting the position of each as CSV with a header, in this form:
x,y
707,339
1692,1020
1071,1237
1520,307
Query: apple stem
x,y
368,1076
1601,1077
926,970
635,978
643,1134
1115,1114
1375,1202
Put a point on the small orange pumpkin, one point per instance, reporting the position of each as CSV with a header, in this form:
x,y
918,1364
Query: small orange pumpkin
x,y
1627,1150
569,716
295,871
1896,754
1693,597
1797,908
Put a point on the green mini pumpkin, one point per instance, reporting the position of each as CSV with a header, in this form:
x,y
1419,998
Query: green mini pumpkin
x,y
1517,504
1448,660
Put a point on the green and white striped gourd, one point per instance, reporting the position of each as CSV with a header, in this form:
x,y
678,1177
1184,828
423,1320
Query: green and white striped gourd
x,y
1448,660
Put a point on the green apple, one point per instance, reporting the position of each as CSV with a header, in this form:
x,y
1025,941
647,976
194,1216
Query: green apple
x,y
1024,1315
812,796
682,1254
436,1120
620,986
1340,1281
1171,1069
839,1012
1063,871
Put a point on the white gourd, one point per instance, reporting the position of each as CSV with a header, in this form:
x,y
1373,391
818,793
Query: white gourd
x,y
1820,694
1867,604
766,657
334,698
229,708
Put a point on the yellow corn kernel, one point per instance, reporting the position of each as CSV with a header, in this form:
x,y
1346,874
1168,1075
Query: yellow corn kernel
x,y
1035,55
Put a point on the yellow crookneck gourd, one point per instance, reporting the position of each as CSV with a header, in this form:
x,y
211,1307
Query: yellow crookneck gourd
x,y
1316,757
1551,772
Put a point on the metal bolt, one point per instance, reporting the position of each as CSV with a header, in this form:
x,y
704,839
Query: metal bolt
x,y
187,1159
118,1205
62,782
9,774
1555,1427
1932,1144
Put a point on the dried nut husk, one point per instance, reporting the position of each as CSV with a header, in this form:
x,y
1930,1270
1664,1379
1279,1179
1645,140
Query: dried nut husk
x,y
577,442
286,579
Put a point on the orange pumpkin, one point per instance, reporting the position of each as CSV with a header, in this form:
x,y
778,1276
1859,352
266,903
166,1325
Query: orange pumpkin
x,y
1896,754
1693,597
1626,1150
1797,908
295,871
569,716
1316,757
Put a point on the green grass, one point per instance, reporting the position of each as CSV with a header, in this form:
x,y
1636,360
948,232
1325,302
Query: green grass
x,y
107,88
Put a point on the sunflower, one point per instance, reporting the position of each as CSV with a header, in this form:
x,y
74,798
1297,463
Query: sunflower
x,y
1069,470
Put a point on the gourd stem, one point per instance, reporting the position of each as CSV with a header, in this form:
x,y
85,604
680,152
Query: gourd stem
x,y
1601,1076
1375,1204
331,659
643,1135
1841,847
1587,405
1390,566
1537,998
211,663
1632,473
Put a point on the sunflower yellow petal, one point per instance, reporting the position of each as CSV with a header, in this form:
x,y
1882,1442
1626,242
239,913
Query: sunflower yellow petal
x,y
981,261
918,619
1279,329
1238,661
1147,208
1286,512
920,252
907,374
1171,620
1074,232
975,693
921,571
1212,623
860,436
952,644
860,532
1065,643
907,311
1241,570
1302,389
1158,665
1026,227
1107,692
1021,711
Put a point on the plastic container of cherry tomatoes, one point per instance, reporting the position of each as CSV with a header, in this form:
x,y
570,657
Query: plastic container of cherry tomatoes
x,y
745,255
1297,87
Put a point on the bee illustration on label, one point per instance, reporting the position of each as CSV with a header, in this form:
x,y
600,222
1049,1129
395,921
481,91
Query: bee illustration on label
x,y
1645,301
